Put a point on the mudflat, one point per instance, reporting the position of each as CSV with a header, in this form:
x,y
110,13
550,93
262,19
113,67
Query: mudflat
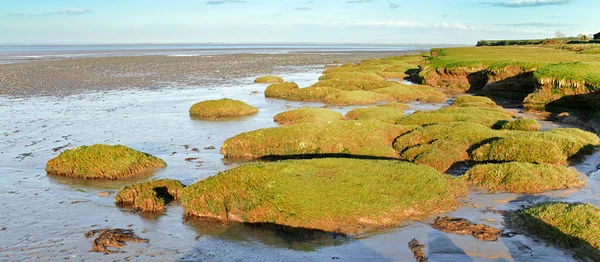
x,y
77,75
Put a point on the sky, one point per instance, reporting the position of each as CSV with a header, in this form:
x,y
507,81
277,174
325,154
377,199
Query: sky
x,y
302,21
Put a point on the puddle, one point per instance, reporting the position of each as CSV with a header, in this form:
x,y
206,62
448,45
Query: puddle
x,y
46,217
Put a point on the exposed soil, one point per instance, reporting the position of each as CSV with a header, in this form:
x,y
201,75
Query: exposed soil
x,y
466,227
112,237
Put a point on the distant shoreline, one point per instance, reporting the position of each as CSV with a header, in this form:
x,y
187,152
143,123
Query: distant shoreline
x,y
69,76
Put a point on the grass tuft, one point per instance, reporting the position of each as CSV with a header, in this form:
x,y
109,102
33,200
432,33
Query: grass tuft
x,y
523,124
149,196
214,109
474,101
268,79
381,113
530,150
307,115
102,162
333,194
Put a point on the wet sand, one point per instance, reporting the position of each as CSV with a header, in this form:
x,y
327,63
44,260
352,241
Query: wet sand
x,y
77,75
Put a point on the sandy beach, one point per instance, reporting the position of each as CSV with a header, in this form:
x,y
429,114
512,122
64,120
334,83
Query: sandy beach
x,y
77,75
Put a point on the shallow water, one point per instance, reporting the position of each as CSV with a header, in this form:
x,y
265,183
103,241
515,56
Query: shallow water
x,y
45,217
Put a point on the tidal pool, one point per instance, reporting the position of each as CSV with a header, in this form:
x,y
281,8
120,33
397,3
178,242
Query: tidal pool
x,y
44,218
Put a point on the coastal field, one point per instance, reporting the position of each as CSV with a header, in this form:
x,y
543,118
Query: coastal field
x,y
307,156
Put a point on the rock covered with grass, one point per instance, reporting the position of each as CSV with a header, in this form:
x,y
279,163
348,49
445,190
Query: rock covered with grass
x,y
571,226
531,150
149,196
525,178
523,124
214,109
474,101
386,114
330,194
307,115
268,79
102,162
362,138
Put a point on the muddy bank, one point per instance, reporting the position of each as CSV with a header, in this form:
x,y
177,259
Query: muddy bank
x,y
77,75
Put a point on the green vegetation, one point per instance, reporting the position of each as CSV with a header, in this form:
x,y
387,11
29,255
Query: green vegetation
x,y
268,79
531,150
526,178
574,227
486,116
523,124
307,115
396,105
443,145
409,93
214,109
381,113
149,196
474,101
335,195
102,162
328,95
363,138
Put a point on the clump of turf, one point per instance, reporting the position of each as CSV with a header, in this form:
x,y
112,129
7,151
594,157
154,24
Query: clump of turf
x,y
526,178
523,124
328,95
409,93
474,101
102,162
443,145
214,109
572,226
531,150
396,105
380,113
339,195
149,196
365,138
485,116
307,115
268,79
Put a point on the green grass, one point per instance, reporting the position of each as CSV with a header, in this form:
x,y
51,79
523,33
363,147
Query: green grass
x,y
443,145
520,150
523,124
268,79
307,115
485,116
328,95
396,105
102,162
381,113
574,227
149,196
214,109
410,93
364,138
474,101
347,196
524,178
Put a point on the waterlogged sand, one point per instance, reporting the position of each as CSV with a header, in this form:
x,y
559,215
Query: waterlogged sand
x,y
44,218
76,75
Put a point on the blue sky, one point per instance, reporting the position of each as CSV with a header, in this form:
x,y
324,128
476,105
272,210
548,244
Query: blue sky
x,y
265,21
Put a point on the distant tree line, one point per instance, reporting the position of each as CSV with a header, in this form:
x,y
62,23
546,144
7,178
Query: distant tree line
x,y
560,38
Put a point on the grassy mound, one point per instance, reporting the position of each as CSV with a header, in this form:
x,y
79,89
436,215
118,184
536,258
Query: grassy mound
x,y
366,138
348,82
225,107
474,101
396,105
523,178
574,227
102,162
307,115
521,150
381,113
484,116
268,79
149,196
443,145
328,95
523,124
334,195
410,93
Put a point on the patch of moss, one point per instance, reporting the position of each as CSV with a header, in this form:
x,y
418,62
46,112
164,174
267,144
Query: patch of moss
x,y
268,79
149,196
484,116
410,93
523,124
214,109
348,98
335,195
364,138
526,178
518,149
328,95
380,113
396,105
307,115
102,162
349,83
474,101
572,226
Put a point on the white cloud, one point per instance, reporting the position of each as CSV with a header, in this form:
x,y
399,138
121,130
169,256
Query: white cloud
x,y
74,11
405,24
